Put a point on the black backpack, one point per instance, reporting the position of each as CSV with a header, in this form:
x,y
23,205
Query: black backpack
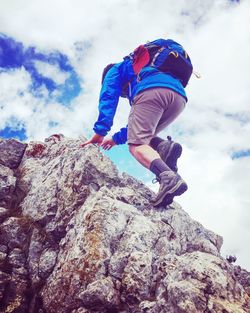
x,y
171,59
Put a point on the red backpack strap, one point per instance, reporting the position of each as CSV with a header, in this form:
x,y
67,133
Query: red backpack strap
x,y
141,58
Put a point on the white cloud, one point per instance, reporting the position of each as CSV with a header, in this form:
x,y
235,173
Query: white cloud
x,y
94,33
51,71
14,95
17,104
218,196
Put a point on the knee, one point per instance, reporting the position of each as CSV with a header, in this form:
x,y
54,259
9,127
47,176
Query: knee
x,y
133,148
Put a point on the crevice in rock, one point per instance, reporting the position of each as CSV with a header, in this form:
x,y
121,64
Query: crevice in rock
x,y
114,244
35,301
164,220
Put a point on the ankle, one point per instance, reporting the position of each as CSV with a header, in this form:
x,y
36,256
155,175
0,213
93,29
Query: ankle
x,y
157,167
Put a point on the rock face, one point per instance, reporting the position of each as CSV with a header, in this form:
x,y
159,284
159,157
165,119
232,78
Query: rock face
x,y
76,236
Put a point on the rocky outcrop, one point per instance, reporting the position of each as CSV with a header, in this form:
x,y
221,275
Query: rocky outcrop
x,y
76,236
11,152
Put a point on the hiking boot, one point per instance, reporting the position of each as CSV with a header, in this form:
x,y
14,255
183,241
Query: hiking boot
x,y
169,152
171,185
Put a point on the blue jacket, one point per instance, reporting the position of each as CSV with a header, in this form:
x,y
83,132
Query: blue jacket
x,y
116,77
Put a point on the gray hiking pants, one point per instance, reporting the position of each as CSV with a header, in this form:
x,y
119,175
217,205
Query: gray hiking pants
x,y
153,110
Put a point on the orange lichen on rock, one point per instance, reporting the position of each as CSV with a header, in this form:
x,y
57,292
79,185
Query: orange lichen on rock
x,y
95,254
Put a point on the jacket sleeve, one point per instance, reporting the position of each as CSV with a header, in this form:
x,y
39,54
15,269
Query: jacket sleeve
x,y
121,137
108,101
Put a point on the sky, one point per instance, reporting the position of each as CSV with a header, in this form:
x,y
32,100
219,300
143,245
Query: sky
x,y
52,54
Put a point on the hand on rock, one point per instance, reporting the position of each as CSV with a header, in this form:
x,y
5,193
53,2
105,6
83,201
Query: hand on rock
x,y
98,139
107,144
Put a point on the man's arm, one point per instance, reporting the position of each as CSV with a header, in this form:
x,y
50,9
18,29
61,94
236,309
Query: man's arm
x,y
121,137
108,101
118,138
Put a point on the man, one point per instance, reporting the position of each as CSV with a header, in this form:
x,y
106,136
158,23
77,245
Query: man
x,y
156,99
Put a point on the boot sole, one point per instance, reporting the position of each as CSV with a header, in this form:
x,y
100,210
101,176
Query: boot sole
x,y
168,197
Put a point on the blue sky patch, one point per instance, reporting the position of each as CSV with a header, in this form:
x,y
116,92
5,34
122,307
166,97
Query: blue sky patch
x,y
14,129
124,161
240,154
14,55
9,132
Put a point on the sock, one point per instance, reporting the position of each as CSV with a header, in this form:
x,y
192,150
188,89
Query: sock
x,y
158,166
154,142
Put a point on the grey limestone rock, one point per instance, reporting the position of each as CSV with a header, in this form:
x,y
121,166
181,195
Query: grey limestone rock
x,y
11,152
3,214
85,238
47,262
7,185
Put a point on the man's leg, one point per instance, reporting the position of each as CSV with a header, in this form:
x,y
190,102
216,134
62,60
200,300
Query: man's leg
x,y
149,111
149,158
144,154
169,150
171,185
